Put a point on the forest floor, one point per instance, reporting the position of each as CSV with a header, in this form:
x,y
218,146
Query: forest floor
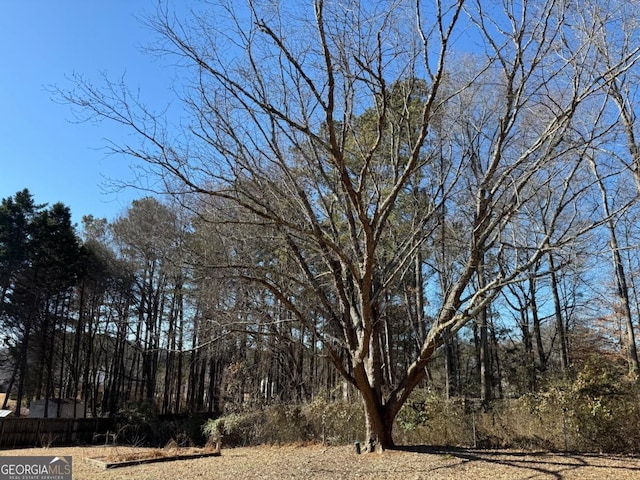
x,y
321,462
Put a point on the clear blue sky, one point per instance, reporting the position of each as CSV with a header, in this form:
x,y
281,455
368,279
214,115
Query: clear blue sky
x,y
42,42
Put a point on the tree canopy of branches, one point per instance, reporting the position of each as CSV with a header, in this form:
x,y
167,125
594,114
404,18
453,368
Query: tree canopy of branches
x,y
346,144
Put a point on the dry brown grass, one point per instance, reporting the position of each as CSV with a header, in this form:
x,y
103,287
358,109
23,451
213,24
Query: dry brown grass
x,y
319,462
124,454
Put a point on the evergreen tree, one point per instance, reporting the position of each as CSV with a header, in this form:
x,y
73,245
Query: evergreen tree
x,y
38,267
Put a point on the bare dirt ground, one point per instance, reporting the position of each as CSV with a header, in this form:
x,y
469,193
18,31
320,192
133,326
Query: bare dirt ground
x,y
320,462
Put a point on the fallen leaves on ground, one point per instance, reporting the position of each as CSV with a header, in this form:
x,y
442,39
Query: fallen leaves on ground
x,y
322,462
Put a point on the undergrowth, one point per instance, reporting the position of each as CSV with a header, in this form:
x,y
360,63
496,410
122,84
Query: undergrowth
x,y
598,410
320,421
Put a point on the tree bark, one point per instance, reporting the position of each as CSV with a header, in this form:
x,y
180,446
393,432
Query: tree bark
x,y
560,328
378,420
483,347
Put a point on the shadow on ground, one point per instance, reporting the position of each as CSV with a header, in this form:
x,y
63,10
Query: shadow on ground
x,y
551,464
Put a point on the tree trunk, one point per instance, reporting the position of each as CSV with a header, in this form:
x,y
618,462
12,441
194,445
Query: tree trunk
x,y
623,293
378,423
180,359
22,362
379,428
496,367
564,351
484,358
451,368
483,347
537,331
528,349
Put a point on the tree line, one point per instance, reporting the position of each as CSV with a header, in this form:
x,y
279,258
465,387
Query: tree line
x,y
142,309
371,197
124,312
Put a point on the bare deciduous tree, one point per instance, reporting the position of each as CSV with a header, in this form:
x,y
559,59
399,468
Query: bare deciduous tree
x,y
339,131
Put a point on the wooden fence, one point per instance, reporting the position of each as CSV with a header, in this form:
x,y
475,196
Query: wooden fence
x,y
43,432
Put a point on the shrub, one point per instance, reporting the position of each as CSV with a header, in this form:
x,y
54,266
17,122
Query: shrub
x,y
334,423
139,424
596,412
236,429
605,409
315,422
427,418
